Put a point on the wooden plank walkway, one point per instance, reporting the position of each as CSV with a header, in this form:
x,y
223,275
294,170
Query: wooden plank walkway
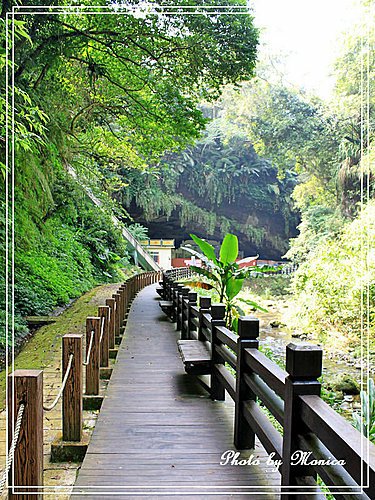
x,y
158,434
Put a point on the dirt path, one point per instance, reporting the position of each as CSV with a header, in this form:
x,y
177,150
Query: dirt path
x,y
43,351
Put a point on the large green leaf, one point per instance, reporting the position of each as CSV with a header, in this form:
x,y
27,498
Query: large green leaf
x,y
204,272
233,287
253,304
235,325
206,248
229,249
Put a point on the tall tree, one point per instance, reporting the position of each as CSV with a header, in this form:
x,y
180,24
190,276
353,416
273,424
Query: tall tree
x,y
124,84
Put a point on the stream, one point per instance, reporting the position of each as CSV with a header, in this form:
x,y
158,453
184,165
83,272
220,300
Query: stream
x,y
276,339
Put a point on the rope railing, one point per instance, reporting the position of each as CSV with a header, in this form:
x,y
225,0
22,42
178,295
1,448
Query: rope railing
x,y
10,456
85,363
68,368
102,329
27,386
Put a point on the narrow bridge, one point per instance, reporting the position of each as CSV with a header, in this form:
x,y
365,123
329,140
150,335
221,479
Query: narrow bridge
x,y
181,401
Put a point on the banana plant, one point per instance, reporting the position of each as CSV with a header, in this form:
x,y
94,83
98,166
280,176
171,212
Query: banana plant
x,y
225,275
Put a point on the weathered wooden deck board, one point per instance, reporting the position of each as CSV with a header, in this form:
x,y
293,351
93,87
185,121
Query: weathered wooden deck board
x,y
158,434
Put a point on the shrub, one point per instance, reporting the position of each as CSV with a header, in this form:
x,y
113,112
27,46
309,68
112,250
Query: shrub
x,y
335,279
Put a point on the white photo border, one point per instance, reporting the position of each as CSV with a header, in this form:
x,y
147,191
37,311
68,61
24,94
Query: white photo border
x,y
10,229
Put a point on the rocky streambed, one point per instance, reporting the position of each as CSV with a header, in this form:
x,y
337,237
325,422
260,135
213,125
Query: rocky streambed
x,y
343,372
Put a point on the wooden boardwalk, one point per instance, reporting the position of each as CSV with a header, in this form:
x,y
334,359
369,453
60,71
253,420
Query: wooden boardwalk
x,y
158,434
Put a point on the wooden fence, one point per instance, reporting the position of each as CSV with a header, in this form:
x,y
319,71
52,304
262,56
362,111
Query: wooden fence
x,y
283,408
25,390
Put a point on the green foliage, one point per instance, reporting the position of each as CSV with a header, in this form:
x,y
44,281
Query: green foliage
x,y
334,285
285,126
138,231
29,121
229,249
319,223
269,286
224,274
365,422
333,281
53,272
207,249
105,93
64,244
218,187
20,329
123,87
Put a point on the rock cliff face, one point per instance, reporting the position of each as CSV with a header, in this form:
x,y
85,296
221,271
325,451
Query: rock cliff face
x,y
276,230
216,188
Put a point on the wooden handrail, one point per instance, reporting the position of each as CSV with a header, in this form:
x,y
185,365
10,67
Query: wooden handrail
x,y
292,396
273,402
228,337
342,439
269,371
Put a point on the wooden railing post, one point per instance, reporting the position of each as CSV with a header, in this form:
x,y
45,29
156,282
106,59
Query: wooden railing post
x,y
172,285
167,284
128,295
217,319
72,394
92,369
122,311
204,307
176,291
125,302
26,387
164,285
129,285
248,333
121,307
117,298
111,323
192,297
304,365
180,318
103,313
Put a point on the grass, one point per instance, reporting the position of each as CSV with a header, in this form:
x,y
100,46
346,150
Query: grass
x,y
41,350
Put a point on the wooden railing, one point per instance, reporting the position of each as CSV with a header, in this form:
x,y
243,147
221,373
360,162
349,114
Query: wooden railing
x,y
298,429
25,390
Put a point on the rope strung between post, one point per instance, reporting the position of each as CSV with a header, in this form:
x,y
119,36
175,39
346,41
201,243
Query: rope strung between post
x,y
102,329
85,363
12,449
68,368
